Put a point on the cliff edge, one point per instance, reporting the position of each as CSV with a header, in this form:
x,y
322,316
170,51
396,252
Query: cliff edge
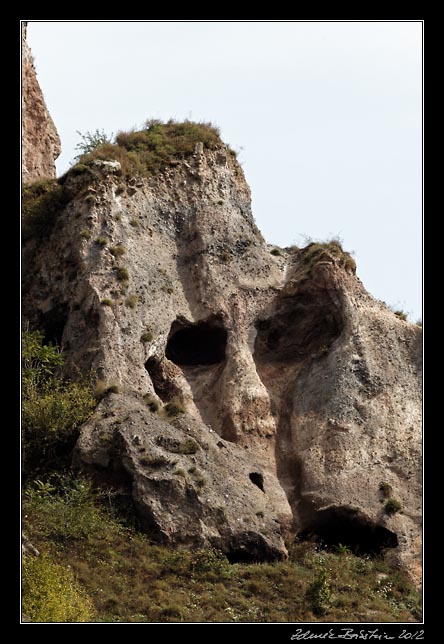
x,y
40,141
248,391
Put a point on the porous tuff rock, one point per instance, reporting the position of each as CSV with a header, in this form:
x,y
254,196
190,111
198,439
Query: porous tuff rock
x,y
40,140
301,391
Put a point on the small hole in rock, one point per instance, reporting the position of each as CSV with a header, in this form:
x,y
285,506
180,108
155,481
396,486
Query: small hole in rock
x,y
257,479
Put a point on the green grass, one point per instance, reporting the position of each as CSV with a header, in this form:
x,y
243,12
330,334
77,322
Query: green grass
x,y
122,274
326,251
151,150
117,251
128,579
392,506
401,315
174,408
147,336
132,300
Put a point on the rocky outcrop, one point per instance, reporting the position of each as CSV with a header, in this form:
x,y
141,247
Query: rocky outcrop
x,y
301,392
40,141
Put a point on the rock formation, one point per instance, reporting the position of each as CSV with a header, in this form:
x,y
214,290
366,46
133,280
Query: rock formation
x,y
301,392
40,141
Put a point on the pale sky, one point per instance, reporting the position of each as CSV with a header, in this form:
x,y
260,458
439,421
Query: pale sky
x,y
327,117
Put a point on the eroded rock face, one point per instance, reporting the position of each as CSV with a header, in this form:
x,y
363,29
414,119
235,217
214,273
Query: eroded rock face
x,y
302,393
40,141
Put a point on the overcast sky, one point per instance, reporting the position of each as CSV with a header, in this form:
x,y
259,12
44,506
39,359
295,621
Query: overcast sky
x,y
326,115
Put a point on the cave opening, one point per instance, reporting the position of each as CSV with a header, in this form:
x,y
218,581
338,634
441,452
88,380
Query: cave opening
x,y
203,343
53,323
347,527
257,479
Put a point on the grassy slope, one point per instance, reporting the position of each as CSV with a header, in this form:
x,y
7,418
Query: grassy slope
x,y
129,579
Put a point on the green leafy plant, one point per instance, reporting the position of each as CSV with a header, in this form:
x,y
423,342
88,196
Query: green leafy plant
x,y
52,408
101,241
106,302
341,549
50,593
91,141
276,252
318,593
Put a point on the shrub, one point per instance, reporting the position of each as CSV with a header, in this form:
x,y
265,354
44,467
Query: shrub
x,y
154,461
151,150
101,389
134,223
52,408
152,403
174,408
210,560
318,593
147,336
85,234
90,141
42,202
276,252
106,302
90,199
326,251
101,241
80,168
392,506
401,315
50,593
188,446
132,300
117,251
180,472
122,274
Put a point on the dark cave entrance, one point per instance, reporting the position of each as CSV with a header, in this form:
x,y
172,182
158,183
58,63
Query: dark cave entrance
x,y
257,479
203,343
53,323
350,528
